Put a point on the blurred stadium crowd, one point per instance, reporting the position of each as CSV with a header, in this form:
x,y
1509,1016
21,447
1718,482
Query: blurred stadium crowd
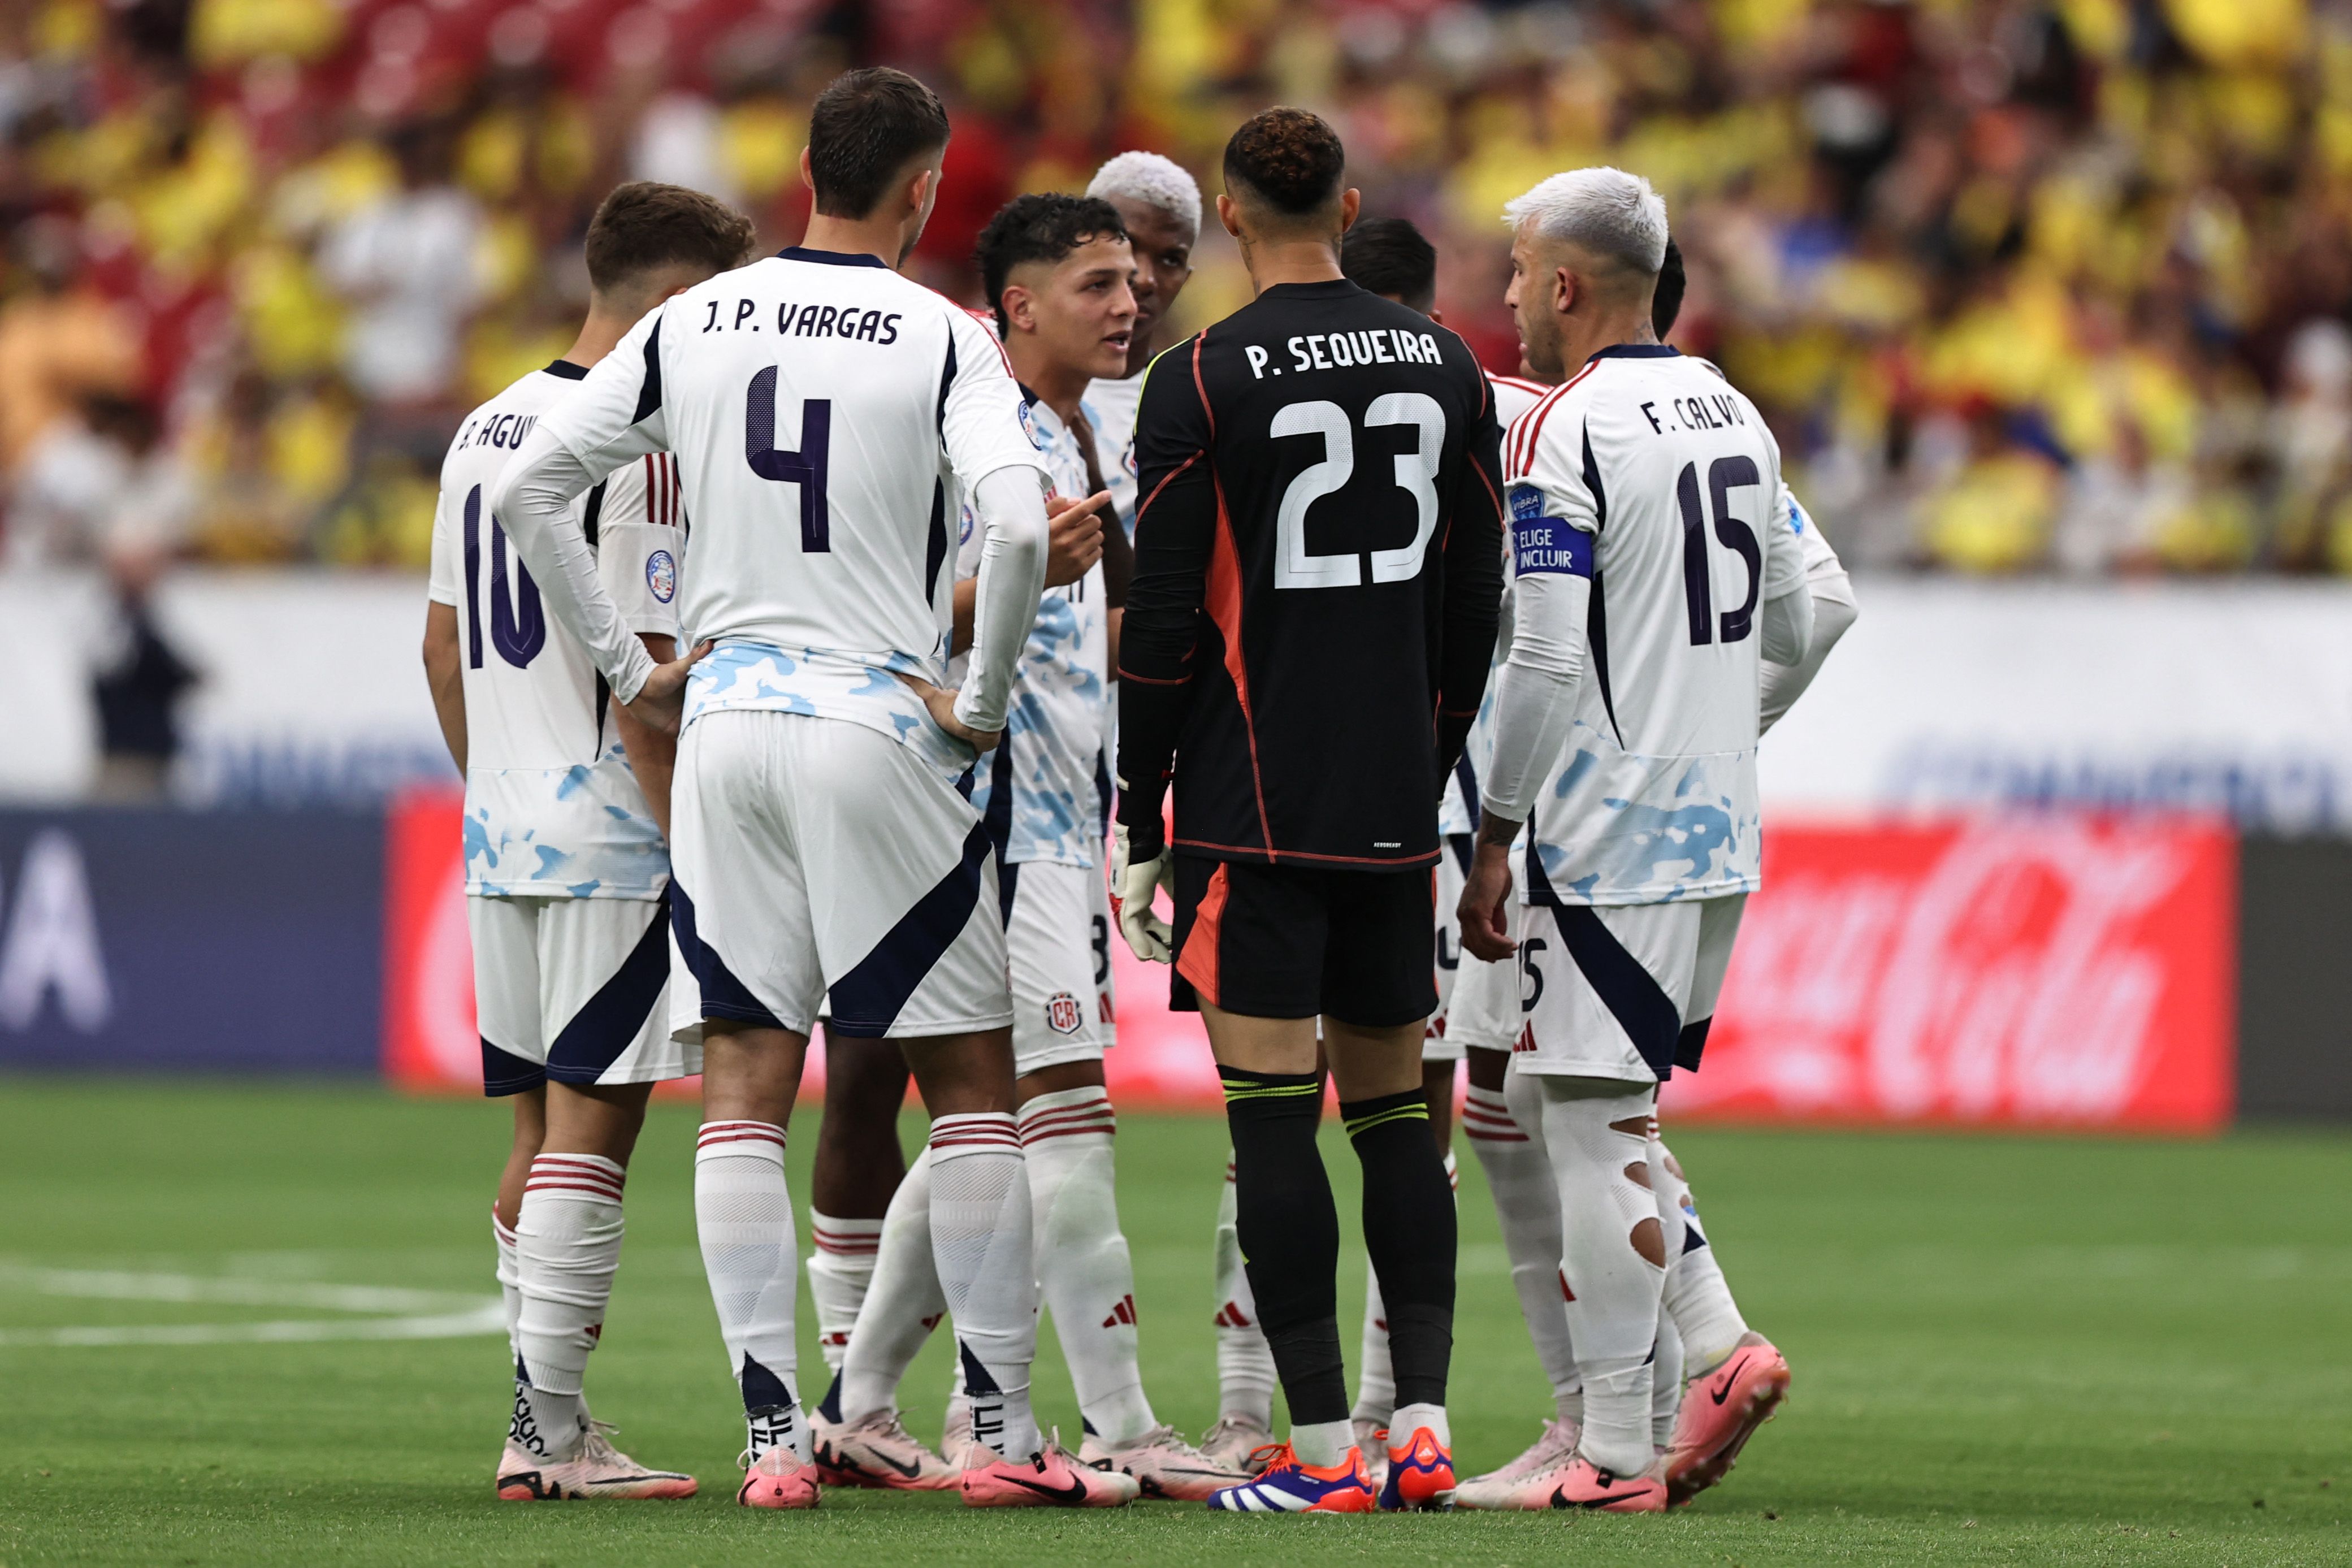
x,y
2025,284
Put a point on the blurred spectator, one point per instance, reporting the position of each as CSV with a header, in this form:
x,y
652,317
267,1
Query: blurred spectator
x,y
2021,284
136,683
410,264
100,482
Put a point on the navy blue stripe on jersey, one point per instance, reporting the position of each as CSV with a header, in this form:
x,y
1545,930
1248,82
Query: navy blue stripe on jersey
x,y
1632,995
610,1022
947,379
867,1001
650,391
935,548
1592,483
723,995
831,258
1465,849
1596,637
998,823
593,520
567,369
1638,350
503,1072
1466,776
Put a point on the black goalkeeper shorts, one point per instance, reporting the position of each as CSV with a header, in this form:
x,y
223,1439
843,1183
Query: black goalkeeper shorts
x,y
1280,941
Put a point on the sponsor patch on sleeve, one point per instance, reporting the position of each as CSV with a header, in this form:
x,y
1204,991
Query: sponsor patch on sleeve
x,y
1551,544
1527,503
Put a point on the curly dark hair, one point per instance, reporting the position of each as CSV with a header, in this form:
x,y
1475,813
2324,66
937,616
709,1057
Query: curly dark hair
x,y
1288,158
1039,228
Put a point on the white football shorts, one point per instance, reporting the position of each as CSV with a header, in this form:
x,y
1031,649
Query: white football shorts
x,y
1057,937
1621,991
574,990
814,854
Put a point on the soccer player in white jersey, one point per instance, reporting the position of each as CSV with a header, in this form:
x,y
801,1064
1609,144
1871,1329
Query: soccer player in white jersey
x,y
1057,269
566,875
1159,205
1700,1329
1654,572
822,409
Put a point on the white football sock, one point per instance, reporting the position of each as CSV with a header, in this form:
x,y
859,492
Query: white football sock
x,y
567,1249
1375,1376
1245,1377
840,1268
1083,1267
1321,1443
1507,1134
1409,1418
510,1280
1665,1381
1697,1295
1599,1147
743,1215
983,1242
903,1302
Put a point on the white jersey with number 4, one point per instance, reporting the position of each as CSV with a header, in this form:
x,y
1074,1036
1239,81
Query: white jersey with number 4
x,y
1650,474
552,809
823,410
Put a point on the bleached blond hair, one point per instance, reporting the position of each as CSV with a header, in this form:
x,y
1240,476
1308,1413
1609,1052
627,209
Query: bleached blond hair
x,y
1604,211
1158,183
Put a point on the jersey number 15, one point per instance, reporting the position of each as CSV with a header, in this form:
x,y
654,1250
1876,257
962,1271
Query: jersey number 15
x,y
1416,474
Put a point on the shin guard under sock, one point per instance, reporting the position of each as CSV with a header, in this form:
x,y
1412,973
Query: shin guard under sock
x,y
1409,1231
1289,1229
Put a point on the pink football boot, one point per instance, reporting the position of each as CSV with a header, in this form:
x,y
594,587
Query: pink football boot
x,y
1719,1413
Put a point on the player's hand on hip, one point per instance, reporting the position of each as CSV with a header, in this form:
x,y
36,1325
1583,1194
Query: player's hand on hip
x,y
941,701
1074,538
1485,924
660,702
1133,884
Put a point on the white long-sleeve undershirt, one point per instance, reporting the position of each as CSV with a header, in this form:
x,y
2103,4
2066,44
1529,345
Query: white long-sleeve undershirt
x,y
534,501
1012,507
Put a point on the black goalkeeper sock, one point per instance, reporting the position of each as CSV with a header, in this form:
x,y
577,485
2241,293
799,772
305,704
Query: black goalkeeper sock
x,y
1289,1233
1409,1230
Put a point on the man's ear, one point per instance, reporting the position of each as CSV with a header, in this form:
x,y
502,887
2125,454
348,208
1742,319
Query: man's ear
x,y
1020,307
808,171
1229,215
1564,290
919,189
1351,203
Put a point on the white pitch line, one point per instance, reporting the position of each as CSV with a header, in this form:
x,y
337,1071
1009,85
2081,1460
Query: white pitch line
x,y
420,1314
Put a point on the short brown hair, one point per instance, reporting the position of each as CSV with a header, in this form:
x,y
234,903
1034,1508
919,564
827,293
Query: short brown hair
x,y
1288,158
862,130
642,225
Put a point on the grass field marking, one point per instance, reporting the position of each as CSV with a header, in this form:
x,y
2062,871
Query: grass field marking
x,y
400,1314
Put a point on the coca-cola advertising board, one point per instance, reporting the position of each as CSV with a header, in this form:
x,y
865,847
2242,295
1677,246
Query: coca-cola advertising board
x,y
2045,971
2036,971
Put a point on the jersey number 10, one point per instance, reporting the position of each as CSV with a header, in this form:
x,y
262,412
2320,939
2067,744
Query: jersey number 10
x,y
518,629
1416,475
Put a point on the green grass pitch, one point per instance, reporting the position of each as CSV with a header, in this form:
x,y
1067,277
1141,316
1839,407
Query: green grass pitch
x,y
2006,1351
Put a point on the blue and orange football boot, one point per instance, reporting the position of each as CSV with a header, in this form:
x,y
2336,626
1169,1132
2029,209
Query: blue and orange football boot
x,y
1420,1474
1287,1485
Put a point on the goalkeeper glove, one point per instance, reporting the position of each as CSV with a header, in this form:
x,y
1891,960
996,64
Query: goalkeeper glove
x,y
1133,884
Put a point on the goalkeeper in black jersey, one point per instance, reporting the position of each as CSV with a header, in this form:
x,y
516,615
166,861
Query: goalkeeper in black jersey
x,y
1306,638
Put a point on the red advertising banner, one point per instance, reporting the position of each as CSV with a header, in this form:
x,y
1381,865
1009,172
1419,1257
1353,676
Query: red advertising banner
x,y
2023,971
2053,971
